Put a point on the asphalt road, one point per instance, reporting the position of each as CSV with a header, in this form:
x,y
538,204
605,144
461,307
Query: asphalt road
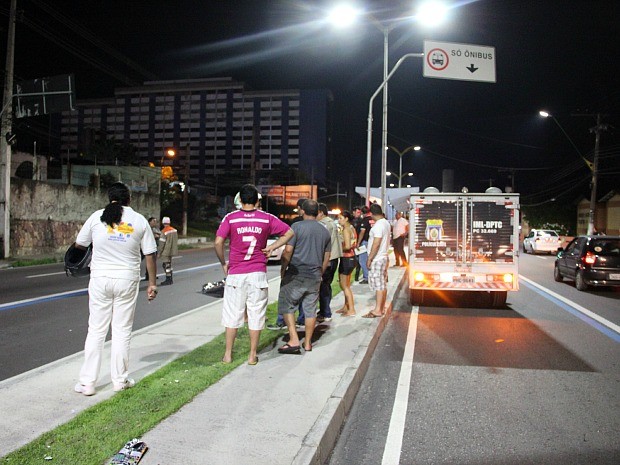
x,y
534,383
44,313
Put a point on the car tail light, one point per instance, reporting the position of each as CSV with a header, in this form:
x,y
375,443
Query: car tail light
x,y
589,258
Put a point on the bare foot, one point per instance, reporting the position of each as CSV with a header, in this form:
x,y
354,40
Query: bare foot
x,y
349,313
342,310
226,359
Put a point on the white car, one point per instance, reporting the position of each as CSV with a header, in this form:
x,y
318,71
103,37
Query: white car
x,y
542,241
276,255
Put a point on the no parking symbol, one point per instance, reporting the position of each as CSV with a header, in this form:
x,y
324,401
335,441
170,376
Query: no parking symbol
x,y
437,59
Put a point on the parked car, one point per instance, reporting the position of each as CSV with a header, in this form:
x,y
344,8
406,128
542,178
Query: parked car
x,y
590,261
276,255
541,240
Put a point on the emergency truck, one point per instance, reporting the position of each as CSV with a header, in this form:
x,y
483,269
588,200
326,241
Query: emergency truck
x,y
464,242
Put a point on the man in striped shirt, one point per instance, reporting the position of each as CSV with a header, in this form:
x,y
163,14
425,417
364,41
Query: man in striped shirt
x,y
247,230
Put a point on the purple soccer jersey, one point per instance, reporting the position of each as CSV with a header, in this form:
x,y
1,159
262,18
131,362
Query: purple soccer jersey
x,y
248,232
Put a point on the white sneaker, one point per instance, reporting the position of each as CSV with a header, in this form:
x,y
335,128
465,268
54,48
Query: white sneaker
x,y
129,383
87,390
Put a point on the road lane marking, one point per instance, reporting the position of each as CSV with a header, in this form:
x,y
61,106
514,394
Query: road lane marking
x,y
78,292
45,274
603,325
396,430
64,272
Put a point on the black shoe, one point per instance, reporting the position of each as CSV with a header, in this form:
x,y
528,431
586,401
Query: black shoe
x,y
364,281
167,282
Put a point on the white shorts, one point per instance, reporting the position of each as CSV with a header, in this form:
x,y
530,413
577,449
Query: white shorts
x,y
245,291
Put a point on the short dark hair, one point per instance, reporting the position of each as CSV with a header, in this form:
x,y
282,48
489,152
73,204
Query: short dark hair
x,y
310,207
300,203
375,209
323,208
365,209
248,194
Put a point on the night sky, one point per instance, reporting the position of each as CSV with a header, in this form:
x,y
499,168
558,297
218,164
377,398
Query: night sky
x,y
558,55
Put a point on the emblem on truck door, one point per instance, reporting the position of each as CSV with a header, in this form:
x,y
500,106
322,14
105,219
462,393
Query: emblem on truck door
x,y
434,230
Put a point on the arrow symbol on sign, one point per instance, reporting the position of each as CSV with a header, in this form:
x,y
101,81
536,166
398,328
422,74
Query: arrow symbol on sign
x,y
472,68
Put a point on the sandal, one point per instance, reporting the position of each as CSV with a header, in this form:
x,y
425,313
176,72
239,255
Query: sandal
x,y
289,349
371,315
254,362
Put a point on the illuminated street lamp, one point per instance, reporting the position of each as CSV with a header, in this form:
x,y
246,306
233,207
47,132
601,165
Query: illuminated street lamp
x,y
430,13
170,153
592,165
415,148
399,176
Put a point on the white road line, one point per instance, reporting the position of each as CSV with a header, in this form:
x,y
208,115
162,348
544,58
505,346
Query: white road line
x,y
45,274
396,430
541,258
579,308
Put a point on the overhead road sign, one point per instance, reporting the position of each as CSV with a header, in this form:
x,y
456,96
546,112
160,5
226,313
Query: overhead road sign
x,y
45,95
462,62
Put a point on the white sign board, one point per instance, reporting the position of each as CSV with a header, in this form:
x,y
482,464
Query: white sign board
x,y
463,62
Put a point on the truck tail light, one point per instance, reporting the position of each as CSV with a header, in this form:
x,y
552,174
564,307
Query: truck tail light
x,y
508,277
589,258
418,276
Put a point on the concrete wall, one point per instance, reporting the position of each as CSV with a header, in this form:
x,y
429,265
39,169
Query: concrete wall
x,y
45,218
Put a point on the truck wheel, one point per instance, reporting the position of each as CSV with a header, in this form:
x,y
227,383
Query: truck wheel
x,y
416,297
580,283
498,298
557,276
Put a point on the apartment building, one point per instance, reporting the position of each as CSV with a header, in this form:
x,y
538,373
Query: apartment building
x,y
217,121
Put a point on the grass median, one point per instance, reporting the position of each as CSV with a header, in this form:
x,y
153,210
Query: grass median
x,y
97,433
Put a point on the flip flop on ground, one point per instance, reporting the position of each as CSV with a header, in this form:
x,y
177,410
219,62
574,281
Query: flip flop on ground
x,y
371,315
289,349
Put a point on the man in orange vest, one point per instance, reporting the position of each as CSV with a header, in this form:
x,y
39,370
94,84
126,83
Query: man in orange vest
x,y
168,247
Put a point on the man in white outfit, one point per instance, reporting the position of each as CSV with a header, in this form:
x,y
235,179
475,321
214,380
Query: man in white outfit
x,y
378,246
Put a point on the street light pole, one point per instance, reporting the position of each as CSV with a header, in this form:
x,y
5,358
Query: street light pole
x,y
369,128
400,154
5,128
592,165
384,133
185,190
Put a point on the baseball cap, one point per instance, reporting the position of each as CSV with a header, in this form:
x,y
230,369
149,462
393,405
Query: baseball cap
x,y
165,220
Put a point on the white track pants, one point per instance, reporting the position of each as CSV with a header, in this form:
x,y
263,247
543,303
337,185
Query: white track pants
x,y
110,301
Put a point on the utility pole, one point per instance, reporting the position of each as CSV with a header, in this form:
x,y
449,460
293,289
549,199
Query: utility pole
x,y
597,131
6,128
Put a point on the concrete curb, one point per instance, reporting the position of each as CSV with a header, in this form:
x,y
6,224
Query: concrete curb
x,y
321,439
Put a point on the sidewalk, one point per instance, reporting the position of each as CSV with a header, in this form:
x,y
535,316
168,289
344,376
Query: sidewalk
x,y
286,410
